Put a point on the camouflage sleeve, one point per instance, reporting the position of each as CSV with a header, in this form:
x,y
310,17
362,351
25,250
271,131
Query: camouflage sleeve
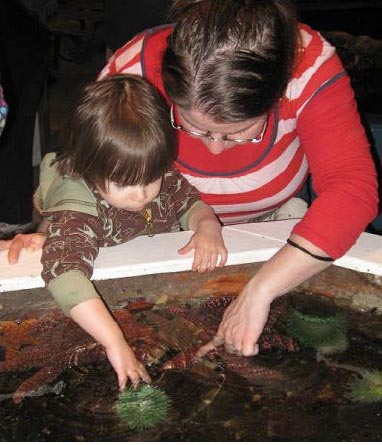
x,y
184,195
68,257
185,219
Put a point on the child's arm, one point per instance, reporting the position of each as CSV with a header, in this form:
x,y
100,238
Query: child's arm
x,y
93,316
207,239
68,257
194,214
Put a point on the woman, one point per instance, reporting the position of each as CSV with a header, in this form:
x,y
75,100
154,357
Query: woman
x,y
259,101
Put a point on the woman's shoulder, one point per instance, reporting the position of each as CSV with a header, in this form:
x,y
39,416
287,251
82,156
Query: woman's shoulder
x,y
317,66
136,55
314,52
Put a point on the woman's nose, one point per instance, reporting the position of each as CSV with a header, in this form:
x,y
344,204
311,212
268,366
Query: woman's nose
x,y
216,147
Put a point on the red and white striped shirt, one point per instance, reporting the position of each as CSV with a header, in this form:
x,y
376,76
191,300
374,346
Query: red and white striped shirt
x,y
315,127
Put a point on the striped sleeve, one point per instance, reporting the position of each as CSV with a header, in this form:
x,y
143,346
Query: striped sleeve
x,y
125,60
343,172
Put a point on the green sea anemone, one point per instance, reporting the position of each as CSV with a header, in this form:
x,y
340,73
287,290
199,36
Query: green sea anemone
x,y
142,408
326,334
367,388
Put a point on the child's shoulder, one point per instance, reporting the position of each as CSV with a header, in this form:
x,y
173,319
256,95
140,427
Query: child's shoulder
x,y
175,182
56,192
173,178
174,173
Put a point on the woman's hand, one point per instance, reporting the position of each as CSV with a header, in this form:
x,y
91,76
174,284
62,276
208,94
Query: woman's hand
x,y
244,320
31,242
126,365
242,324
207,241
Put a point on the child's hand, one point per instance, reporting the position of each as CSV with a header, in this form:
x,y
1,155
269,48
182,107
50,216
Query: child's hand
x,y
209,245
31,241
94,318
126,365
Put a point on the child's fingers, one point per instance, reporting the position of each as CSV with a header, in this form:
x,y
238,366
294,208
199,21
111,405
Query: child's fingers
x,y
223,257
36,242
15,247
132,375
144,375
187,248
207,260
197,261
122,380
134,378
213,260
31,242
139,373
4,245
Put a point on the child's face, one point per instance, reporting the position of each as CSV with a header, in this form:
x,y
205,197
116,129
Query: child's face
x,y
133,198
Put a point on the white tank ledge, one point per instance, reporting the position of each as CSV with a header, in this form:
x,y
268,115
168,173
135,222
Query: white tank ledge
x,y
246,243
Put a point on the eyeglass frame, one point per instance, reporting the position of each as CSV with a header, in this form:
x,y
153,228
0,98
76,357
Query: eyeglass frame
x,y
207,134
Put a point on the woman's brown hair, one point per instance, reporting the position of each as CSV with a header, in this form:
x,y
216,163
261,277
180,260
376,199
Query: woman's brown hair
x,y
230,59
120,132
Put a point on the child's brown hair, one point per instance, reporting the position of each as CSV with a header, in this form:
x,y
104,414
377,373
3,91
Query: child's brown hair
x,y
120,132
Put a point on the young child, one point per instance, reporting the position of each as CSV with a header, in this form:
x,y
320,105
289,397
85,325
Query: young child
x,y
114,181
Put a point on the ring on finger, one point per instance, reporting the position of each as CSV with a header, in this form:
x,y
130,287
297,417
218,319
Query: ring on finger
x,y
231,349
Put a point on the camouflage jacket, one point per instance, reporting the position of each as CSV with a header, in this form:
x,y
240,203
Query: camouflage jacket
x,y
81,222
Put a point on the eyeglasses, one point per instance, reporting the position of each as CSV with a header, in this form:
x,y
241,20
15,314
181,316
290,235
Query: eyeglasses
x,y
207,134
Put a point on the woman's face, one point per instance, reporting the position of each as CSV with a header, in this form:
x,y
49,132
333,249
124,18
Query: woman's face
x,y
196,121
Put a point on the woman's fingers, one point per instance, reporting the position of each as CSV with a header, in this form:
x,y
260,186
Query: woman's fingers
x,y
217,341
